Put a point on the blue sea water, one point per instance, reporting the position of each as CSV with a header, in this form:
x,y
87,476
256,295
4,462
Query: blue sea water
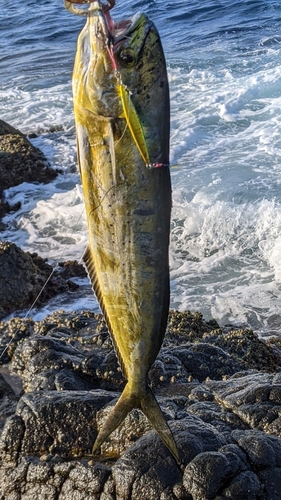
x,y
224,65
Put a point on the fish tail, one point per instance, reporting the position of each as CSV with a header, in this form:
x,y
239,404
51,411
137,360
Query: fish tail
x,y
149,406
124,405
153,412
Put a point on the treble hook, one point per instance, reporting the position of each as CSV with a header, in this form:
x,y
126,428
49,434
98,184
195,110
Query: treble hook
x,y
69,5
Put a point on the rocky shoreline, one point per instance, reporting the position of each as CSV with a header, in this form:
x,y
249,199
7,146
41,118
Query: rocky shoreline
x,y
26,277
20,161
219,388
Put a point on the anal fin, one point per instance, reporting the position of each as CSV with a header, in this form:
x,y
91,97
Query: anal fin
x,y
90,266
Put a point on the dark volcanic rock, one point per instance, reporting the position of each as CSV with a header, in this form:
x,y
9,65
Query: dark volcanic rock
x,y
145,471
46,428
224,416
22,279
70,269
54,364
242,344
254,397
218,469
20,161
271,480
8,401
84,329
262,450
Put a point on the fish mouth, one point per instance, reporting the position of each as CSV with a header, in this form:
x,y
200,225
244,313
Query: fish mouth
x,y
105,7
123,29
113,32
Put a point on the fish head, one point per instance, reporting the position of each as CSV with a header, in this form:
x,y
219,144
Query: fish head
x,y
141,63
127,53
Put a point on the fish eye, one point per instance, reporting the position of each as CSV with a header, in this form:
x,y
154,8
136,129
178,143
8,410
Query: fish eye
x,y
127,58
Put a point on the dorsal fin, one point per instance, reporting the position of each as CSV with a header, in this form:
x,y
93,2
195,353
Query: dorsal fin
x,y
90,266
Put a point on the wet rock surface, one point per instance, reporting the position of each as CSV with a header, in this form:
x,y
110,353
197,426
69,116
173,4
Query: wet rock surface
x,y
8,401
219,389
24,277
20,161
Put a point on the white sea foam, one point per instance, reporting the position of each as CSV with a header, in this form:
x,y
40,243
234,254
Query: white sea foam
x,y
228,264
38,110
50,221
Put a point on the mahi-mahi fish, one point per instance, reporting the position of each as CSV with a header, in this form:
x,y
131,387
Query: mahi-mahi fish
x,y
122,116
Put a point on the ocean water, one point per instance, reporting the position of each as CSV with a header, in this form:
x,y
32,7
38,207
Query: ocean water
x,y
224,66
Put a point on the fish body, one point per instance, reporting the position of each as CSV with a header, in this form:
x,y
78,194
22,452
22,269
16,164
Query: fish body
x,y
128,205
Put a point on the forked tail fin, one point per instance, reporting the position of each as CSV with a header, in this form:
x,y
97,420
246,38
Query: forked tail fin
x,y
148,404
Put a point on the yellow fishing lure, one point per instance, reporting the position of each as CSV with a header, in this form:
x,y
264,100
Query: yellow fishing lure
x,y
133,122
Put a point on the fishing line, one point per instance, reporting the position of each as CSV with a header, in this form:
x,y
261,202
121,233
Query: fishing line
x,y
123,133
45,284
